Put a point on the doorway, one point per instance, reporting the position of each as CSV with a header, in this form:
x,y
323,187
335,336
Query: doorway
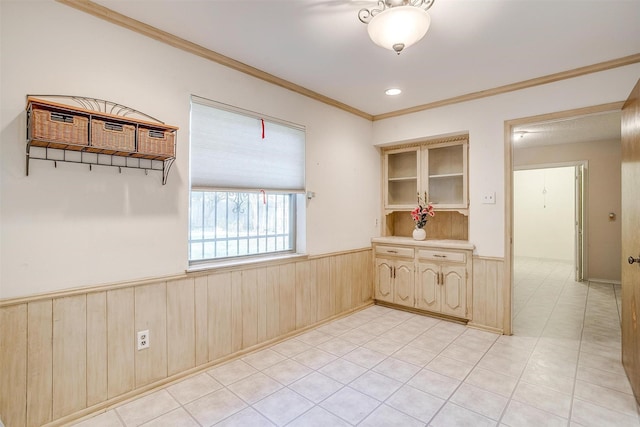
x,y
549,215
552,140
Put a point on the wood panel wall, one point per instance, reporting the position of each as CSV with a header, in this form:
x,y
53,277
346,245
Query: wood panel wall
x,y
489,309
69,354
445,225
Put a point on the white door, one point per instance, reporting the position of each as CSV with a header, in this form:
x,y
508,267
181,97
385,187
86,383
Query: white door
x,y
580,246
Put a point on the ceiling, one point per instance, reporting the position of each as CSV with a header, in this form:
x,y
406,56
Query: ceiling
x,y
472,45
589,128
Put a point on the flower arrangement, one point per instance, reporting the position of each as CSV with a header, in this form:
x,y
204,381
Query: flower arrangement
x,y
422,212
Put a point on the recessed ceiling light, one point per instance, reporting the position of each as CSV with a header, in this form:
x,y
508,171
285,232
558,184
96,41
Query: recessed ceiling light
x,y
393,91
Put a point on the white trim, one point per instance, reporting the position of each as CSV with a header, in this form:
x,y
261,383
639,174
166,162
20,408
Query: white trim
x,y
552,165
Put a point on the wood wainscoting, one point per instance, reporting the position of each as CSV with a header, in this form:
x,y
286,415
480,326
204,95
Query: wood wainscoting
x,y
489,310
69,354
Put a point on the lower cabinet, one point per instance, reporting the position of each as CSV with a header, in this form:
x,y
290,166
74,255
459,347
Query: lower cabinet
x,y
432,279
394,281
442,289
403,291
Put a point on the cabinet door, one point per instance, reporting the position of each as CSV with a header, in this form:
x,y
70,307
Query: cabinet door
x,y
427,287
401,177
403,283
447,175
384,280
454,290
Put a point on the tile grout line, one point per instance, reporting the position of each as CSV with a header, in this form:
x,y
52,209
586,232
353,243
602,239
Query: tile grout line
x,y
316,371
575,377
597,368
529,358
359,376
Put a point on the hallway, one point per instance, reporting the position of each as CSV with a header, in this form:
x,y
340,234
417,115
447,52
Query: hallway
x,y
576,330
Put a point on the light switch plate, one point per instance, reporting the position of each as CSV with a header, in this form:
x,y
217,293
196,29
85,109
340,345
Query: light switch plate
x,y
489,198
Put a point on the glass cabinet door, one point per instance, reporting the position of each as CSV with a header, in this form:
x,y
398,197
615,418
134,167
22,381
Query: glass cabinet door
x,y
402,167
447,178
438,169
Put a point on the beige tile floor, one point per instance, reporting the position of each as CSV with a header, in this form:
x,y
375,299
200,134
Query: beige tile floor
x,y
382,367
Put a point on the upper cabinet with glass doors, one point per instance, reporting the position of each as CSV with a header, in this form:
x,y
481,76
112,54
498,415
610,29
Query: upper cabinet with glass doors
x,y
402,177
440,169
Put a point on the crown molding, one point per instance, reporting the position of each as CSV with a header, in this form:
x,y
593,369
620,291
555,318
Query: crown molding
x,y
550,78
124,21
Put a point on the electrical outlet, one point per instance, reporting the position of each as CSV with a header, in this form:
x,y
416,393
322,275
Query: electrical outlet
x,y
143,339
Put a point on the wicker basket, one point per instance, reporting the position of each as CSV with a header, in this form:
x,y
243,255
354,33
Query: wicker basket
x,y
156,142
113,136
60,127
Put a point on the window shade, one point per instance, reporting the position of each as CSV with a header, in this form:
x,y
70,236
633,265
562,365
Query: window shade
x,y
228,151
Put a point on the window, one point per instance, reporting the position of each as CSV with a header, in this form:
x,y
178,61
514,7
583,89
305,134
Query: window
x,y
247,181
226,224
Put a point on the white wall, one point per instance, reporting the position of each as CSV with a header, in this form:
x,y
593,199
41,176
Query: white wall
x,y
484,120
544,213
68,227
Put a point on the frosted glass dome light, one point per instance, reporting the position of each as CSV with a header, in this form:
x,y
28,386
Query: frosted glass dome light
x,y
398,24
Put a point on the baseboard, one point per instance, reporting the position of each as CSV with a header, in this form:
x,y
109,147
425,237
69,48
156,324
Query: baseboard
x,y
530,258
606,281
422,312
485,328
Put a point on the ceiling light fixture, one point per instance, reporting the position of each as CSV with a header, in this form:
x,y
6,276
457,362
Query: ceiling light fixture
x,y
397,24
393,91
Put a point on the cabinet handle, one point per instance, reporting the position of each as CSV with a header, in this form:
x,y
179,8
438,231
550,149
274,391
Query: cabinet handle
x,y
394,272
392,252
439,256
441,278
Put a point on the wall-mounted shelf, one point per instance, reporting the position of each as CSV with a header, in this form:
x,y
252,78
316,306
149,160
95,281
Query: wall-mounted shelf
x,y
97,133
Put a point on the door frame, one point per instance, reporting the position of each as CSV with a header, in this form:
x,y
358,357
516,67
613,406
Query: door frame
x,y
508,191
580,262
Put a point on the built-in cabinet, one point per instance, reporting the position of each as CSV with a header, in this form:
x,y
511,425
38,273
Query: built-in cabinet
x,y
446,181
395,275
441,279
437,168
402,172
432,276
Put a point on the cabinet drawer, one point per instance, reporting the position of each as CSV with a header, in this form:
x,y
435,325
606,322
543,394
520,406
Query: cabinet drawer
x,y
442,255
394,251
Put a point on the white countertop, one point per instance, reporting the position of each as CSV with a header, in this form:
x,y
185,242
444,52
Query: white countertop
x,y
429,243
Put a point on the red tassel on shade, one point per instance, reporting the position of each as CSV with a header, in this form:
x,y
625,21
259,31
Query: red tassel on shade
x,y
264,197
262,121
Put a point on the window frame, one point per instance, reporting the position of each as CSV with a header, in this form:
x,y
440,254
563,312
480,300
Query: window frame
x,y
296,210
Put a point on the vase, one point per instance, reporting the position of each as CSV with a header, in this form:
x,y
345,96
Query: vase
x,y
419,234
